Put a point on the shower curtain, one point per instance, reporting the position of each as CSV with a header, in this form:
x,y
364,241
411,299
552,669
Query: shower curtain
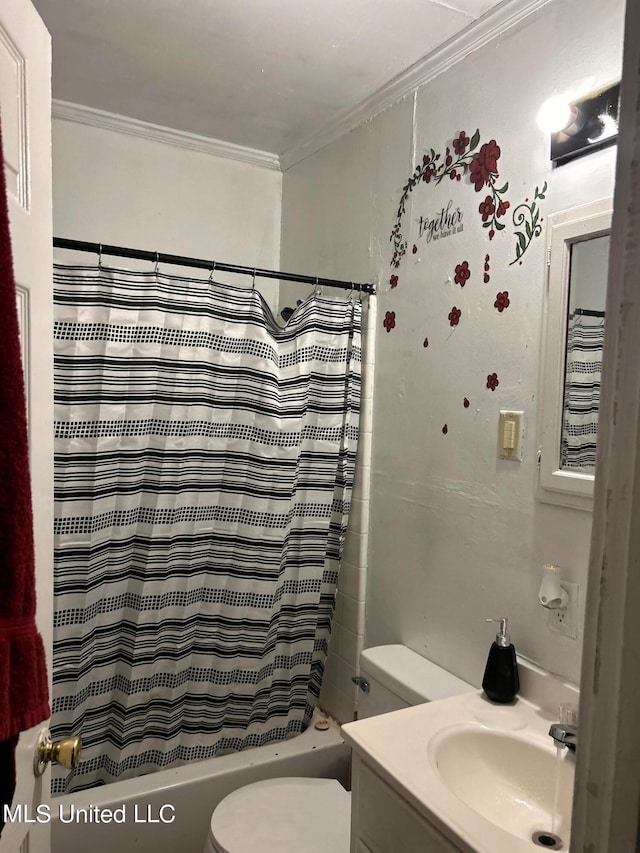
x,y
585,343
204,463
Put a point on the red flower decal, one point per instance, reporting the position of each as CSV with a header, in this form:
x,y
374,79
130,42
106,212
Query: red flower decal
x,y
502,301
486,208
428,173
389,320
465,403
454,316
462,273
393,281
425,343
487,278
461,142
486,259
502,208
415,249
492,381
485,166
492,233
445,429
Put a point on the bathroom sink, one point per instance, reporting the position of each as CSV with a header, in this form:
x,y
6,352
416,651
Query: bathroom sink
x,y
517,781
482,775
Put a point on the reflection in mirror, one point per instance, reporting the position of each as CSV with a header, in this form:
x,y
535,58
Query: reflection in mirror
x,y
572,353
585,340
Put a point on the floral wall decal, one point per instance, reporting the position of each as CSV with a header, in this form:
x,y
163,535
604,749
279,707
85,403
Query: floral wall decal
x,y
485,165
462,273
484,173
502,301
460,143
526,216
479,162
461,158
389,321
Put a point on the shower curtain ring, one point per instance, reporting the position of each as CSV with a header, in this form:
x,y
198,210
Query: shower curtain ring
x,y
100,256
318,290
213,269
253,280
157,262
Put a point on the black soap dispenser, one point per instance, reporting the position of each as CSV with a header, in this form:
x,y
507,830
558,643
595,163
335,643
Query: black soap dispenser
x,y
501,682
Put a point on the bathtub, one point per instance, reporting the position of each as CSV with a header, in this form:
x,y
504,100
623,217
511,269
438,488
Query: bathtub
x,y
171,810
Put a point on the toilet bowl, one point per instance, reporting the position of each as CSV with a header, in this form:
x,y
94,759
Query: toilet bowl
x,y
277,815
309,815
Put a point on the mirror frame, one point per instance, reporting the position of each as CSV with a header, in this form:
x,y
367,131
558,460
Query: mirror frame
x,y
555,484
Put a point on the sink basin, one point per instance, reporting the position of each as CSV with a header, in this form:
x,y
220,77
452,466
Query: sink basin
x,y
517,781
482,775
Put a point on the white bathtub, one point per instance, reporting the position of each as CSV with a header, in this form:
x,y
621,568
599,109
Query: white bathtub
x,y
188,794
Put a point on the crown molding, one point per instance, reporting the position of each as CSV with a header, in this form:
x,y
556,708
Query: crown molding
x,y
66,111
493,23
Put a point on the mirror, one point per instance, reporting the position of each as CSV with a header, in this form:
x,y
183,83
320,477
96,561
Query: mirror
x,y
572,354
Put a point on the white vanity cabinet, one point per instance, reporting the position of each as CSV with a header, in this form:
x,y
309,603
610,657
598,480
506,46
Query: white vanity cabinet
x,y
383,822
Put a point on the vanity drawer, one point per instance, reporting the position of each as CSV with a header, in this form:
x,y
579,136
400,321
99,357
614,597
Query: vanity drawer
x,y
382,822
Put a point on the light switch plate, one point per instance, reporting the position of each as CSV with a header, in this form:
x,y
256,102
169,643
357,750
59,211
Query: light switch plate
x,y
511,435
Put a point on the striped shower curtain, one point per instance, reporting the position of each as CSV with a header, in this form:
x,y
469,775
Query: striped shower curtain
x,y
585,343
204,460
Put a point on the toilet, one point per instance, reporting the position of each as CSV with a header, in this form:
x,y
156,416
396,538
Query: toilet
x,y
291,813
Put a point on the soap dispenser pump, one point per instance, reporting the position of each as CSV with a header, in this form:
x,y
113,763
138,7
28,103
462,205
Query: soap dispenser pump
x,y
501,682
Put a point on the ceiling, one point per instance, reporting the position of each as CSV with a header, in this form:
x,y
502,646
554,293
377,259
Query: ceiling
x,y
265,74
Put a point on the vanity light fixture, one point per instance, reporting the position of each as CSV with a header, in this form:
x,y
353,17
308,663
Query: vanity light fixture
x,y
555,114
581,126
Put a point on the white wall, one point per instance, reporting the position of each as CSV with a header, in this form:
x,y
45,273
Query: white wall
x,y
111,187
457,535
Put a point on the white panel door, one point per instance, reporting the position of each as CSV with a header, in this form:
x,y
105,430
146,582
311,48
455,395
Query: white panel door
x,y
25,112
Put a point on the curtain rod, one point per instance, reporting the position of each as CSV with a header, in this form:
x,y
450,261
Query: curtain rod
x,y
587,312
212,266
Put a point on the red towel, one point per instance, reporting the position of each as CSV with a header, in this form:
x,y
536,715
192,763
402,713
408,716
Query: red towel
x,y
24,700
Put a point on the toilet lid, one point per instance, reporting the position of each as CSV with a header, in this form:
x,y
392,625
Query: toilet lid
x,y
291,814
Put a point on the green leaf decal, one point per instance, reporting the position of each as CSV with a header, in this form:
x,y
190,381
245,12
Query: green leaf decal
x,y
474,140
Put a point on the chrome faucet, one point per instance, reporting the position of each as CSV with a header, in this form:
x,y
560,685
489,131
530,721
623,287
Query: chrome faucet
x,y
565,734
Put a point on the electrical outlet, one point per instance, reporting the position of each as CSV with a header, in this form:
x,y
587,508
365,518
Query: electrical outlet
x,y
564,620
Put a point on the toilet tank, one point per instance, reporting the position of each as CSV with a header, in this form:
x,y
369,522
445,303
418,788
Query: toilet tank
x,y
398,677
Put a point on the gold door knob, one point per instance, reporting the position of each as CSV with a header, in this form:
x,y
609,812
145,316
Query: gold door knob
x,y
65,752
